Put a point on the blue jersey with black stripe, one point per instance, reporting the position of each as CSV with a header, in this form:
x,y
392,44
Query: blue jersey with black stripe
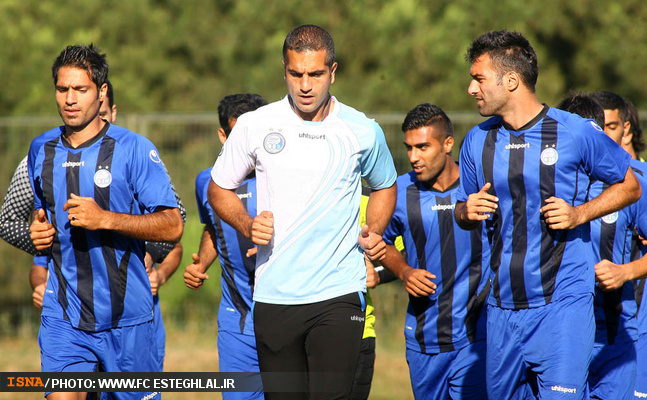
x,y
555,154
237,281
97,279
449,319
638,250
612,237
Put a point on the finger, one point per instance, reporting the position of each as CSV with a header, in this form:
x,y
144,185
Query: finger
x,y
41,216
251,252
196,258
267,214
365,232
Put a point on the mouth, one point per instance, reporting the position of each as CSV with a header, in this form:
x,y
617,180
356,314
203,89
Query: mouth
x,y
417,168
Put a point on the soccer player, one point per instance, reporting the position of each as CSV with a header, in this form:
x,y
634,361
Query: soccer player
x,y
236,342
310,153
619,277
101,191
527,170
446,271
613,366
634,144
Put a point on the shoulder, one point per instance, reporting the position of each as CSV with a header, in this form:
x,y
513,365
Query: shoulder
x,y
573,123
406,180
356,119
267,113
45,137
203,178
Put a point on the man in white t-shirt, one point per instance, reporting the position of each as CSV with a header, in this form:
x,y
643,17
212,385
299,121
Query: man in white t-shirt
x,y
310,153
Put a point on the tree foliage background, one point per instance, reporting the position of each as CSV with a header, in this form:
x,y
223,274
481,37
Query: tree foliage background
x,y
178,55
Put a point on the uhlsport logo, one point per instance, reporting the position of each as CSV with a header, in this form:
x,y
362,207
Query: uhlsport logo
x,y
596,126
610,218
154,156
549,155
274,143
102,178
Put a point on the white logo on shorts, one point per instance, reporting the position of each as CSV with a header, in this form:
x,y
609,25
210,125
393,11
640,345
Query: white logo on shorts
x,y
549,156
154,156
274,143
102,178
610,218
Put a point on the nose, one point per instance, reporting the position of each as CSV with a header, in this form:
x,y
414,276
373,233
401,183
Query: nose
x,y
70,97
413,155
305,84
472,89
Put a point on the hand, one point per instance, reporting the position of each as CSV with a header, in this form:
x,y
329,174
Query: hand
x,y
372,243
194,274
42,232
418,282
481,205
372,277
154,279
559,214
611,276
263,228
84,212
38,294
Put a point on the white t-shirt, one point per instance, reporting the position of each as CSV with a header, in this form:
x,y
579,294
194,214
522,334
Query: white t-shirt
x,y
309,176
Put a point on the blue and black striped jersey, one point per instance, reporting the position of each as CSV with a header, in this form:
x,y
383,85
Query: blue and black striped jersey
x,y
612,237
237,281
451,318
555,154
98,279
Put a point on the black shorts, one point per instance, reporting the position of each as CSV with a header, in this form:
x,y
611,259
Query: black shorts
x,y
319,340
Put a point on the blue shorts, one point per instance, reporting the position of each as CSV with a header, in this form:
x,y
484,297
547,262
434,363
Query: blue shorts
x,y
640,390
64,348
542,351
237,353
160,333
458,374
612,372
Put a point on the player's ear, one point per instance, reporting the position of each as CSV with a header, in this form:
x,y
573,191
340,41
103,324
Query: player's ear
x,y
448,144
222,136
512,81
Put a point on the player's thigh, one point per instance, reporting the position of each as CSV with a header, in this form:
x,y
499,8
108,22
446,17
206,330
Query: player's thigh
x,y
333,344
131,349
641,367
429,374
506,373
365,369
237,352
467,372
64,348
612,371
559,345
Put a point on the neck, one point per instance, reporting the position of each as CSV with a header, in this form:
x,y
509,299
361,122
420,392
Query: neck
x,y
76,136
318,115
522,110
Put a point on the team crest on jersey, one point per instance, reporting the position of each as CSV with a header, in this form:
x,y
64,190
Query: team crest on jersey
x,y
549,156
274,143
596,126
610,218
154,156
102,178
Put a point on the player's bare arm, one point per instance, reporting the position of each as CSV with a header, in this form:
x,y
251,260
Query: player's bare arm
x,y
163,225
41,231
612,276
158,276
230,209
196,273
38,282
478,207
379,211
417,282
561,215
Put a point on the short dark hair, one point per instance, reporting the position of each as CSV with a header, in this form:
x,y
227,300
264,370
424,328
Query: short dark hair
x,y
611,101
583,105
509,51
235,105
427,115
634,122
110,94
310,37
84,57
